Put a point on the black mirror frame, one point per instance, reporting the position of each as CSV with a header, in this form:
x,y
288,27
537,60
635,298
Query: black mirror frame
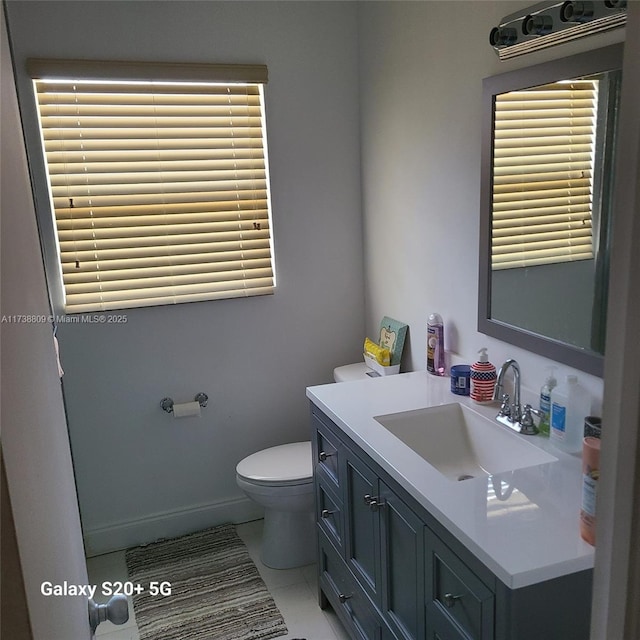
x,y
591,62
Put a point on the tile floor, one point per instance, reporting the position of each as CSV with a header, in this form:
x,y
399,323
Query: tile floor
x,y
294,591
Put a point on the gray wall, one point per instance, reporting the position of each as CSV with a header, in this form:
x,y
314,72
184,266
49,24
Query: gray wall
x,y
421,71
140,473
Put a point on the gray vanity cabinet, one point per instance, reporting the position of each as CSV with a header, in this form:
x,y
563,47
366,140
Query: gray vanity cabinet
x,y
370,544
391,571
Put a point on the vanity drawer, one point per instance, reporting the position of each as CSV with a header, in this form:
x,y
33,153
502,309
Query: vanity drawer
x,y
327,452
347,599
329,514
459,604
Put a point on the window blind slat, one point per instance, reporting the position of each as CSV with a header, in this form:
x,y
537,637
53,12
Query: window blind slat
x,y
168,240
170,291
176,279
85,257
262,288
179,168
159,190
158,270
543,159
515,188
188,153
125,221
152,192
215,209
161,233
224,195
224,139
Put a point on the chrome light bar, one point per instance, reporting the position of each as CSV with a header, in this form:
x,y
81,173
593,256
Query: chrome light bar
x,y
549,23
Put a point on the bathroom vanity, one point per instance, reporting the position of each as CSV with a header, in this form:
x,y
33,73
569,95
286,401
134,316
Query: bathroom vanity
x,y
408,551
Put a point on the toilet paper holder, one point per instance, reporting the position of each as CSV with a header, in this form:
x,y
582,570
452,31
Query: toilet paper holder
x,y
201,398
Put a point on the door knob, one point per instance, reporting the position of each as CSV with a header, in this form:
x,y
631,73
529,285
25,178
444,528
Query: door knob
x,y
116,611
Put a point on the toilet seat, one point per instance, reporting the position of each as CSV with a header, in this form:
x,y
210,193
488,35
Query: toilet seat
x,y
283,465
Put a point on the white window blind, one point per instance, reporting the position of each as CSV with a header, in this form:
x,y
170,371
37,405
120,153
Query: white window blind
x,y
158,180
543,174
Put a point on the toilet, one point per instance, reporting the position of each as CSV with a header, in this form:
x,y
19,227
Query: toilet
x,y
281,480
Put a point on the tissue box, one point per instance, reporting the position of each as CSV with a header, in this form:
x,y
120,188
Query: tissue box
x,y
379,369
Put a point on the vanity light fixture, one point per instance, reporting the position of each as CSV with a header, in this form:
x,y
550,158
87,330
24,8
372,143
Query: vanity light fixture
x,y
576,11
539,25
549,23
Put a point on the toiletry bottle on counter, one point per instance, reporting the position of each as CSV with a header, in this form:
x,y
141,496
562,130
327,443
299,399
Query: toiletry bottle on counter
x,y
590,477
570,403
545,402
483,379
435,345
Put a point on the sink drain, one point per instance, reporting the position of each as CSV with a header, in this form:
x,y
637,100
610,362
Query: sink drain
x,y
464,476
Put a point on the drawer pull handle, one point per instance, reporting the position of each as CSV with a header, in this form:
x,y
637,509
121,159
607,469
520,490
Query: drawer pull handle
x,y
343,597
450,599
325,513
323,455
373,502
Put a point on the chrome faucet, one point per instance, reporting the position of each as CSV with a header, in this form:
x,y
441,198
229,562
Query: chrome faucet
x,y
512,415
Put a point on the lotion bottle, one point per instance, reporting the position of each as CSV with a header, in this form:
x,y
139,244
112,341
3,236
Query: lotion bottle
x,y
435,345
570,404
545,402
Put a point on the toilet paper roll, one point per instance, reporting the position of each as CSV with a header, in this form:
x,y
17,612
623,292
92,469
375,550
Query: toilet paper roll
x,y
186,409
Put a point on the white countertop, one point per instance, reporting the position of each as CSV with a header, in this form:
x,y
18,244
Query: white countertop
x,y
529,536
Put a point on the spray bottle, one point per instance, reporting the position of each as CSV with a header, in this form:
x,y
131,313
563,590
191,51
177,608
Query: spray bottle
x,y
545,401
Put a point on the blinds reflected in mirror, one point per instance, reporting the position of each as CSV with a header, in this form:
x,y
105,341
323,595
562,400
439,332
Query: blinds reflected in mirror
x,y
543,167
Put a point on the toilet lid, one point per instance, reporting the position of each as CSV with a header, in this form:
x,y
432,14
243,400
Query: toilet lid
x,y
284,463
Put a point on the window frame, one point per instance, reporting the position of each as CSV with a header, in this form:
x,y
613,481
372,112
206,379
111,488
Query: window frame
x,y
39,69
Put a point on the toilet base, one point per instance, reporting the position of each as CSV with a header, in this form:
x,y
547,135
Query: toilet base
x,y
288,539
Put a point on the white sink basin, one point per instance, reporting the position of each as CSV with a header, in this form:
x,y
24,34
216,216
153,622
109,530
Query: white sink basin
x,y
461,443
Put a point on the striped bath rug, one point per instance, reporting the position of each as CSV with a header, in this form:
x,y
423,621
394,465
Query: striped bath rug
x,y
216,592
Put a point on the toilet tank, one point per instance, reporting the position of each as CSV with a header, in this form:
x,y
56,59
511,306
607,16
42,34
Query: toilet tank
x,y
348,372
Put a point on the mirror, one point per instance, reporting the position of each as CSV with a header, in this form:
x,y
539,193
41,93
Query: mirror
x,y
547,169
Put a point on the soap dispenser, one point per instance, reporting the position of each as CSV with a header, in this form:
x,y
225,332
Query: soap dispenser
x,y
483,379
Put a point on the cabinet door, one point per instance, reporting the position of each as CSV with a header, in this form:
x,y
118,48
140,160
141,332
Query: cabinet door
x,y
347,598
362,530
458,603
329,514
402,540
326,452
446,631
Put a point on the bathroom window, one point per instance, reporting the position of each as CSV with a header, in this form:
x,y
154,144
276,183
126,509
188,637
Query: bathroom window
x,y
158,180
545,144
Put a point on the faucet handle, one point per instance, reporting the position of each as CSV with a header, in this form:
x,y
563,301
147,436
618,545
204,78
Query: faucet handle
x,y
505,407
527,425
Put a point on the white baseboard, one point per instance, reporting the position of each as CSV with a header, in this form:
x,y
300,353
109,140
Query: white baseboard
x,y
169,524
